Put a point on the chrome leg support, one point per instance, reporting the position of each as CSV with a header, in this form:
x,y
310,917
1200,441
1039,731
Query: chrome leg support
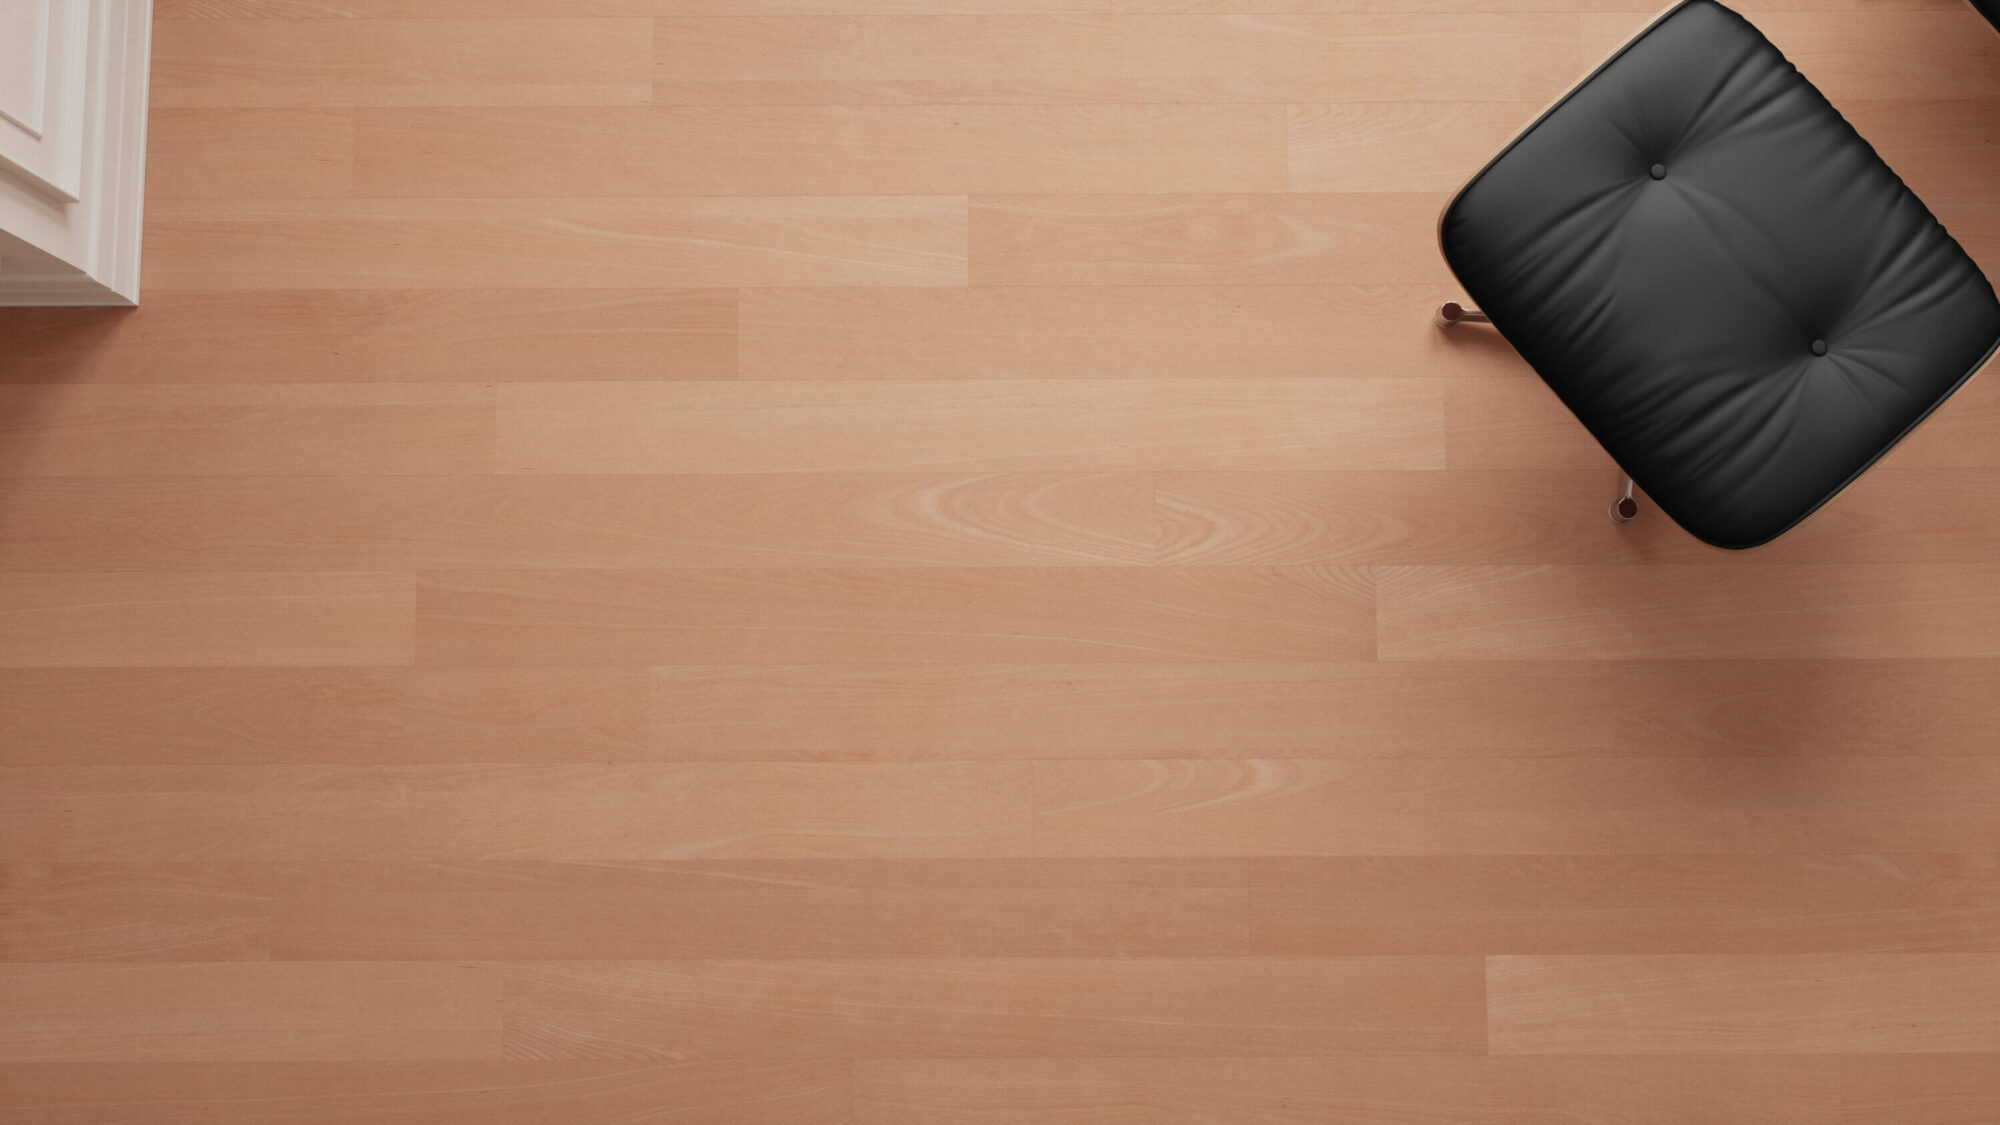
x,y
1624,508
1451,313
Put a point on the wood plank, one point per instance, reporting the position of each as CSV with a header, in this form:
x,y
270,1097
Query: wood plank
x,y
858,615
1420,518
914,712
1518,424
30,814
353,523
1418,146
1943,149
1296,239
1650,1091
1800,1004
1432,709
275,62
100,620
1893,514
1567,904
1640,8
1110,332
605,243
819,150
377,9
1516,806
178,431
204,1012
135,912
358,9
1110,58
1687,611
435,1092
360,716
249,153
1861,54
570,813
1919,1089
993,1007
759,908
1765,6
439,335
971,426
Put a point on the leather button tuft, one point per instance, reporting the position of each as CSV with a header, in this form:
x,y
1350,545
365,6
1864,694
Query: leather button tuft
x,y
1659,171
1819,347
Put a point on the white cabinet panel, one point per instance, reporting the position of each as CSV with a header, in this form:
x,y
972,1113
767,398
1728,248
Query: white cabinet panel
x,y
42,75
72,149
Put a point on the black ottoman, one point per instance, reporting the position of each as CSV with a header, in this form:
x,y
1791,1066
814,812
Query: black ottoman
x,y
1719,278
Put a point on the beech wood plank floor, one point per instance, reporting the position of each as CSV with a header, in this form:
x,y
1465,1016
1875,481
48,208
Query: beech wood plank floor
x,y
920,562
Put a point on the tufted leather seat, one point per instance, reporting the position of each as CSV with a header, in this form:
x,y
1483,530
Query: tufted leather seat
x,y
1720,278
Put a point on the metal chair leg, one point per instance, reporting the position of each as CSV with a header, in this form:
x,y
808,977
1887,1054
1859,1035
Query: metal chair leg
x,y
1624,508
1452,313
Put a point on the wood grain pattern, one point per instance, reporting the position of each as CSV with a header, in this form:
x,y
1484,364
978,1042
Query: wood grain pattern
x,y
473,9
212,716
1204,240
354,523
1009,1007
603,243
1640,8
135,912
1486,806
983,426
1266,1091
419,336
30,811
1428,709
1892,515
1576,904
434,1092
238,63
878,562
251,153
1688,611
1066,808
377,9
1932,56
1107,332
819,150
1935,146
112,620
1375,146
796,615
1919,1089
1806,1004
523,911
1109,58
1333,709
198,814
176,431
329,1011
1124,710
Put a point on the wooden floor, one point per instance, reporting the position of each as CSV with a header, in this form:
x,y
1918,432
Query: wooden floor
x,y
920,561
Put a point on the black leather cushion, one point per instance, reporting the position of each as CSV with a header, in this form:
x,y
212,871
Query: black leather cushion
x,y
1676,242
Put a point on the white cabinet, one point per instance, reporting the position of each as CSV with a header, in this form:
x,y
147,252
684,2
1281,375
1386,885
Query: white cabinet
x,y
72,149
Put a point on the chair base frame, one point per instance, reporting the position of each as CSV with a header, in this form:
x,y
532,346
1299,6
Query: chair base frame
x,y
1451,314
